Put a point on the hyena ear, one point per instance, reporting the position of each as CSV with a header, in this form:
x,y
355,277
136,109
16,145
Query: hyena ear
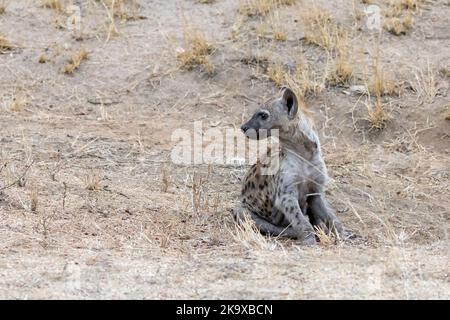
x,y
289,100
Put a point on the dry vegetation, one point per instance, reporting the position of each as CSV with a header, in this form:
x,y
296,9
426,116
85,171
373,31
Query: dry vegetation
x,y
3,5
91,205
53,4
196,52
5,45
399,16
75,61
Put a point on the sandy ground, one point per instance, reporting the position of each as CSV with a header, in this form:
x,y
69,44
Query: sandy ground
x,y
153,229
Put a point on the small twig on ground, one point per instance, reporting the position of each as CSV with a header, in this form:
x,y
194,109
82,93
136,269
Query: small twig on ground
x,y
19,179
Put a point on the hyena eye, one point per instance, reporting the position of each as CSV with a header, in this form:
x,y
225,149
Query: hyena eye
x,y
264,115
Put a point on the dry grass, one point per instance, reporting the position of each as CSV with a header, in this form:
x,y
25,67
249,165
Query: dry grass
x,y
303,80
3,6
425,82
259,61
196,52
320,29
383,83
17,104
341,72
278,29
326,238
445,71
429,84
5,45
277,74
253,8
75,61
399,16
406,4
93,179
125,10
399,25
34,200
377,115
261,29
306,81
43,58
447,117
165,180
247,235
150,217
53,4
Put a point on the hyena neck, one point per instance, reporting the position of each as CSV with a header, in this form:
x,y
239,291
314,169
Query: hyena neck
x,y
299,138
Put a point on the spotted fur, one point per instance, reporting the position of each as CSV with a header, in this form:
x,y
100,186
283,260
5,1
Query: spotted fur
x,y
291,201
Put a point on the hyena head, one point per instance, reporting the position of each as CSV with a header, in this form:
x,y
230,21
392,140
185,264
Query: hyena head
x,y
278,114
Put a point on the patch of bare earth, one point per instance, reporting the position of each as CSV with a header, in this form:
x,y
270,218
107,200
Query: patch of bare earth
x,y
92,207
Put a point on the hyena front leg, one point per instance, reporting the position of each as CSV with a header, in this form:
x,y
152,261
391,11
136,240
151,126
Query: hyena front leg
x,y
322,215
241,213
287,203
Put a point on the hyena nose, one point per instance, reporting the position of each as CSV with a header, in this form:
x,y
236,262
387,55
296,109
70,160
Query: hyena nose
x,y
244,128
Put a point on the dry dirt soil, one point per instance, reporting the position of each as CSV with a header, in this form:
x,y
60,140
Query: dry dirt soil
x,y
92,207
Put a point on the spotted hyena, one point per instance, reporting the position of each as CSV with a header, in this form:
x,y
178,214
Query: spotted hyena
x,y
291,201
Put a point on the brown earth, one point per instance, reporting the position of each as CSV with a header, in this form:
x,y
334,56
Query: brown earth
x,y
152,229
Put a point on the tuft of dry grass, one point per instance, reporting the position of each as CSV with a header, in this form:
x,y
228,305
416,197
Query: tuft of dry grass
x,y
305,81
251,8
197,52
406,4
447,117
260,61
320,29
5,45
326,238
341,72
425,82
43,58
165,180
3,5
93,179
246,234
125,10
399,25
445,71
261,29
17,104
75,61
383,83
53,4
34,199
399,16
277,74
278,30
377,115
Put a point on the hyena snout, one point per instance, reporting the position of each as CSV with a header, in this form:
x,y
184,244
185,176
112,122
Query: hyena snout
x,y
245,128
